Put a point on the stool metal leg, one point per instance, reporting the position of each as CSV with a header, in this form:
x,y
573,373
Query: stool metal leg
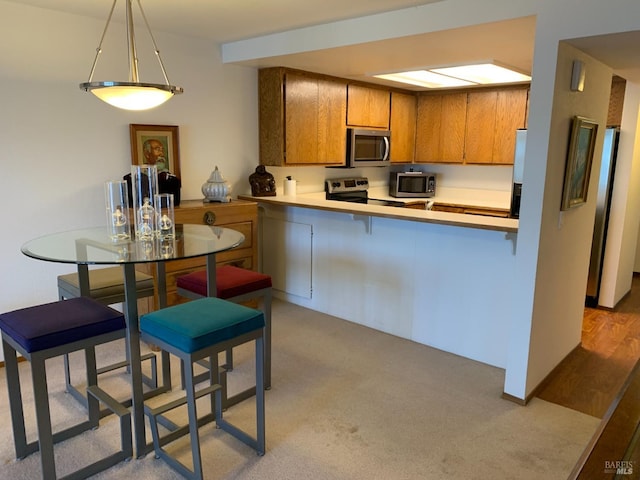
x,y
43,418
46,437
193,420
15,401
260,387
267,338
259,442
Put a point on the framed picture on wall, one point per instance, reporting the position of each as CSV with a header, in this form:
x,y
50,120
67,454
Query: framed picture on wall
x,y
579,159
156,145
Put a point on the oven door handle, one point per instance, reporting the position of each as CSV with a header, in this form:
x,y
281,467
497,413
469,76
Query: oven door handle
x,y
385,157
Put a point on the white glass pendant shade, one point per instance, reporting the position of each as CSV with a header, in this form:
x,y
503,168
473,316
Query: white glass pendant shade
x,y
131,96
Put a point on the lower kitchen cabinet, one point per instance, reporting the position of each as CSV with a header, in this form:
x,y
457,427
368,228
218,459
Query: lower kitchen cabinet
x,y
240,215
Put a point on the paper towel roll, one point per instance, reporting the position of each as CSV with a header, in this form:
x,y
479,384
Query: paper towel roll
x,y
289,187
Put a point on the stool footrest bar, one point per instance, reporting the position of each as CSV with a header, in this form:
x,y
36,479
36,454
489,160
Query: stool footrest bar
x,y
180,401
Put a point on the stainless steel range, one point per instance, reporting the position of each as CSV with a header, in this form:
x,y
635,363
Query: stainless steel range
x,y
354,189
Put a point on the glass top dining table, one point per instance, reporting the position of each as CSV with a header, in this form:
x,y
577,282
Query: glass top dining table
x,y
93,246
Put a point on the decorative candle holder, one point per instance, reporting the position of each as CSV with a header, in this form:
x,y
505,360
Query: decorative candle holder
x,y
117,207
147,249
167,247
144,187
165,215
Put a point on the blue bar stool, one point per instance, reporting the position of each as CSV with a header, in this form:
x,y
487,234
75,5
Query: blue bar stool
x,y
50,330
193,331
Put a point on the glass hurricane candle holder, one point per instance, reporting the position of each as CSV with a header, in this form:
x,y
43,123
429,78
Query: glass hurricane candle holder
x,y
117,208
165,215
144,187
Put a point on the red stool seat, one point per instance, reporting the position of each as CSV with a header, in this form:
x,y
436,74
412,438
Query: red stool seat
x,y
230,281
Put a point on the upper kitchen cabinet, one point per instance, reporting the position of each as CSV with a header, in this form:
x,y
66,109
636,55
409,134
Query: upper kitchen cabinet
x,y
493,117
367,107
302,118
403,127
440,129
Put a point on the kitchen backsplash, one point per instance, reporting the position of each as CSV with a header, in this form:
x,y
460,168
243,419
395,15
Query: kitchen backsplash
x,y
311,179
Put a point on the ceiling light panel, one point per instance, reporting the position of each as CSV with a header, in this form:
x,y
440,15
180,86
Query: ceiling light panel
x,y
425,78
457,76
483,73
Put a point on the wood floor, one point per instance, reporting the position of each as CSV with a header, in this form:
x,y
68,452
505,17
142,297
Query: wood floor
x,y
591,377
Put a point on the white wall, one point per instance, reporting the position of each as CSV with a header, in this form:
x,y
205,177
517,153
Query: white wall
x,y
60,144
565,237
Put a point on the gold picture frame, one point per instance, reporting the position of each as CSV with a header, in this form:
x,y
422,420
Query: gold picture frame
x,y
579,160
156,144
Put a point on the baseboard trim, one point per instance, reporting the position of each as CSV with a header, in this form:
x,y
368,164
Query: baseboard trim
x,y
545,381
520,401
20,359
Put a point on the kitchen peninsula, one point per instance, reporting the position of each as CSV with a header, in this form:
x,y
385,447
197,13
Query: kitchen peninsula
x,y
438,278
465,198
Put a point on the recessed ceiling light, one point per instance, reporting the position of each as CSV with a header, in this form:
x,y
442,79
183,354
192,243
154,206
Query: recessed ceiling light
x,y
484,73
457,76
425,78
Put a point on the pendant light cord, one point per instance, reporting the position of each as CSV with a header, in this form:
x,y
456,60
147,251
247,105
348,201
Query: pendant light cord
x,y
155,46
132,49
99,49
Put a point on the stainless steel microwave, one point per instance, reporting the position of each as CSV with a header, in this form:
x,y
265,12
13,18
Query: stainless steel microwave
x,y
368,148
412,184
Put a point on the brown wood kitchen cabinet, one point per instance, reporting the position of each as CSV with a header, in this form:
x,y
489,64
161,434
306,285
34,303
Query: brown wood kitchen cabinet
x,y
440,128
472,127
368,107
403,127
240,215
301,118
492,120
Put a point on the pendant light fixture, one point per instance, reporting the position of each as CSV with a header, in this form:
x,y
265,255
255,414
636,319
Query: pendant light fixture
x,y
130,95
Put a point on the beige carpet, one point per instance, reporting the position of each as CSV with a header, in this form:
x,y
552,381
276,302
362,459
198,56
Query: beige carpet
x,y
347,402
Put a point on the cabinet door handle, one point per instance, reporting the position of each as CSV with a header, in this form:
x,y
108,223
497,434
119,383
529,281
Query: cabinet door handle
x,y
209,218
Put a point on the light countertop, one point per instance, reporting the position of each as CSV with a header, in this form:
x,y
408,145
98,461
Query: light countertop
x,y
454,196
464,197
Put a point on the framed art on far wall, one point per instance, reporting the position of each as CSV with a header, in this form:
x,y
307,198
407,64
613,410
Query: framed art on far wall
x,y
156,145
579,160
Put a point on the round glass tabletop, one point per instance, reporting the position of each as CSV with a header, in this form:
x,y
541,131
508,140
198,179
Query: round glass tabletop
x,y
94,245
